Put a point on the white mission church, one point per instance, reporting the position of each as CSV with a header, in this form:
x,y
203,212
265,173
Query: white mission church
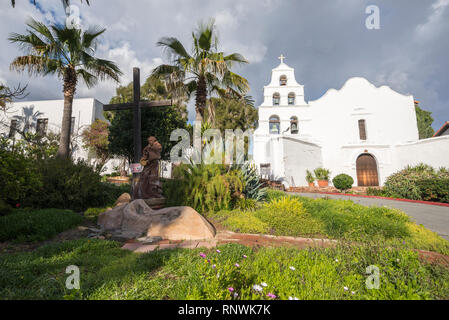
x,y
365,131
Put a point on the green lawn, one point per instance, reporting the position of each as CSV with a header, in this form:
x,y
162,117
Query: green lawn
x,y
335,219
108,272
36,225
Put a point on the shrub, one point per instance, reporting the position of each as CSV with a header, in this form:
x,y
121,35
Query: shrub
x,y
252,185
19,177
36,225
204,187
343,182
322,174
246,222
434,189
4,208
287,216
246,204
309,177
75,186
405,182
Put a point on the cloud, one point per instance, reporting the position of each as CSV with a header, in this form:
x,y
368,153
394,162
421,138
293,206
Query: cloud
x,y
326,42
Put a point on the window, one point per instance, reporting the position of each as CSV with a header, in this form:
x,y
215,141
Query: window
x,y
13,128
291,99
41,127
294,125
275,125
72,126
283,81
276,99
362,129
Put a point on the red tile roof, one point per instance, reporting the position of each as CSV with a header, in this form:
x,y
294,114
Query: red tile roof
x,y
443,128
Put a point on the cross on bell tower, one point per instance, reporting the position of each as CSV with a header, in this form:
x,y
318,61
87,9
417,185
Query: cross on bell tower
x,y
281,58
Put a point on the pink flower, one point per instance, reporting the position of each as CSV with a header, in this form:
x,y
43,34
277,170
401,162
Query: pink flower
x,y
237,265
272,296
218,251
202,255
245,257
214,266
231,289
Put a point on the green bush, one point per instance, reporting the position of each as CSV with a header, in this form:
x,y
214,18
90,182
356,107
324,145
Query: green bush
x,y
204,187
309,177
19,177
36,225
4,208
343,182
436,190
75,186
404,183
322,174
246,222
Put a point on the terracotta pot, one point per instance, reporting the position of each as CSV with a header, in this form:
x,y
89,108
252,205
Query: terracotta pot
x,y
312,184
323,183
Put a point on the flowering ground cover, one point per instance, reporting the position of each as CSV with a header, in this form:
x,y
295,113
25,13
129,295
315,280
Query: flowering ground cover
x,y
229,272
285,215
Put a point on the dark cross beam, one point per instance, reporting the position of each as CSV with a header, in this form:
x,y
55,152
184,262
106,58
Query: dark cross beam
x,y
137,106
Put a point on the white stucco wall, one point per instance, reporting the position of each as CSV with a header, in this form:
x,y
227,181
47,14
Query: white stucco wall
x,y
332,124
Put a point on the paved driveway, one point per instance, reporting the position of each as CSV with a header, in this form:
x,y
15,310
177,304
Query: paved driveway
x,y
435,218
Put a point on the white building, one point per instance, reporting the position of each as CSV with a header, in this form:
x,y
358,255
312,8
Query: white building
x,y
365,131
46,116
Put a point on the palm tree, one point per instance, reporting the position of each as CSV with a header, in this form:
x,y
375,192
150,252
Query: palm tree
x,y
67,53
203,72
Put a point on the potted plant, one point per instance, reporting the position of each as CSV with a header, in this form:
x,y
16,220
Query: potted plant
x,y
310,179
322,175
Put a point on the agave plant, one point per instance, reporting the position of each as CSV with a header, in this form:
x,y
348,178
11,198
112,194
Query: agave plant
x,y
252,185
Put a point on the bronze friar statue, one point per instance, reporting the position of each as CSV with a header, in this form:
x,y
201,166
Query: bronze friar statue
x,y
149,185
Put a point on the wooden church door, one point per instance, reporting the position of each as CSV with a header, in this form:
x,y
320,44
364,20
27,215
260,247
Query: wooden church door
x,y
367,174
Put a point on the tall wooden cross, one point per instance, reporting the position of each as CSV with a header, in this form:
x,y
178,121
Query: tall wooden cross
x,y
137,106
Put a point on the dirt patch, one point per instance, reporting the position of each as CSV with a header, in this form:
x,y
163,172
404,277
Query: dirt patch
x,y
434,258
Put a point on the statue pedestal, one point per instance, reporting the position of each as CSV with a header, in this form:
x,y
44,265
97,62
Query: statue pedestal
x,y
155,203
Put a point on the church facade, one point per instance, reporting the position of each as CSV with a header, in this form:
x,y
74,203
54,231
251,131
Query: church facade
x,y
365,131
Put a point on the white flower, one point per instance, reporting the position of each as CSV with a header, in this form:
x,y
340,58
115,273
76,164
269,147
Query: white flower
x,y
257,287
336,260
263,284
292,298
346,288
292,268
236,295
353,292
397,260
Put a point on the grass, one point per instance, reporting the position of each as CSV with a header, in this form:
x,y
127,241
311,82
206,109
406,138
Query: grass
x,y
334,219
108,272
36,225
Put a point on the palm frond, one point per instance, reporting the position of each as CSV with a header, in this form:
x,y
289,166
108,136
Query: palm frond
x,y
173,48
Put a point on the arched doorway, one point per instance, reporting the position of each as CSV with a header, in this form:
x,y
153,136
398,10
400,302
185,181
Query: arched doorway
x,y
367,174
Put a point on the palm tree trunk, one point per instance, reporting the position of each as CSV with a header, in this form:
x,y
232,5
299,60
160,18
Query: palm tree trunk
x,y
201,98
66,127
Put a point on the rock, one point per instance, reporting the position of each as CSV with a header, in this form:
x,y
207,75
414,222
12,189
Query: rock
x,y
125,236
149,240
123,199
180,223
155,203
112,219
137,217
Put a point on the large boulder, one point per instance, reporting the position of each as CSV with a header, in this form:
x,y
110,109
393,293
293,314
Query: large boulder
x,y
137,217
180,223
112,219
123,199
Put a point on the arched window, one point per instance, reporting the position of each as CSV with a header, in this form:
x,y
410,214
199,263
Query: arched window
x,y
291,99
283,80
276,99
275,125
362,129
294,125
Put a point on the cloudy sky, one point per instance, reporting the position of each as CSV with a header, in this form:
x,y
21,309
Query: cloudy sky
x,y
326,41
